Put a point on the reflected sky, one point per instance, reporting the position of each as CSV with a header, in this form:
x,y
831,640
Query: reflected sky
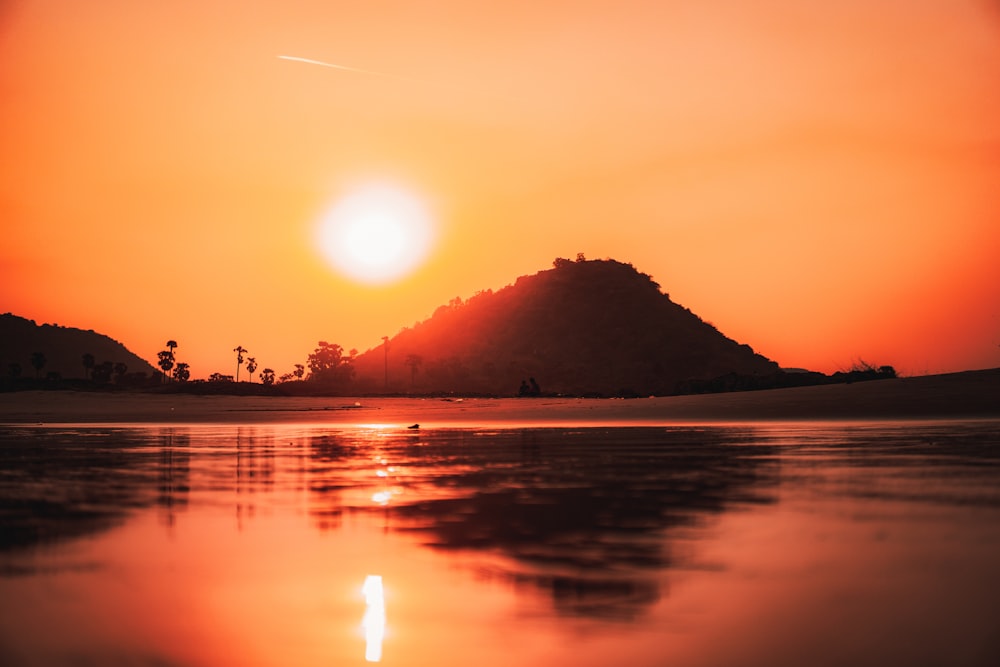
x,y
775,544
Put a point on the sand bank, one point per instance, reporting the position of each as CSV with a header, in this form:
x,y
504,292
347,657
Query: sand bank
x,y
973,394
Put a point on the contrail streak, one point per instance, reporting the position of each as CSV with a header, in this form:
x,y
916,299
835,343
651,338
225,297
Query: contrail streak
x,y
310,61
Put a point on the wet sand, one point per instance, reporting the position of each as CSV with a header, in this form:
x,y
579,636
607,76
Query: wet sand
x,y
972,394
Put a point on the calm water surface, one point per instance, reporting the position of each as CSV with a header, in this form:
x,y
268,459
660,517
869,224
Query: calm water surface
x,y
781,544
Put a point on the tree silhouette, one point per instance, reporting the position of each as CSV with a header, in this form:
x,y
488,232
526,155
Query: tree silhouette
x,y
14,369
182,372
166,362
239,350
38,362
328,364
88,365
251,367
120,369
385,359
166,358
267,377
299,371
102,372
413,361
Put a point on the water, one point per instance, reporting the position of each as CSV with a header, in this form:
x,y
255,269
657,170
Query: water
x,y
779,544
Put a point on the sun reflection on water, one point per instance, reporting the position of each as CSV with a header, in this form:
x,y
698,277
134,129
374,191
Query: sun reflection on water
x,y
382,497
374,619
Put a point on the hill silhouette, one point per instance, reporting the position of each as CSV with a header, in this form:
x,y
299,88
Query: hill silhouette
x,y
595,327
63,349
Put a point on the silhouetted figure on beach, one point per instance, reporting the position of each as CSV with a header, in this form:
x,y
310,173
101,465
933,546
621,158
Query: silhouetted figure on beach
x,y
527,389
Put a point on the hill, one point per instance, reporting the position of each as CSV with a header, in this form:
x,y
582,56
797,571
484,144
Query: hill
x,y
63,349
581,328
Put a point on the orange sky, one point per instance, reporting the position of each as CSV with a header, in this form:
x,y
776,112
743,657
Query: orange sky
x,y
820,180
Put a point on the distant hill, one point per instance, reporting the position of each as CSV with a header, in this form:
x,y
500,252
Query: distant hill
x,y
62,347
582,328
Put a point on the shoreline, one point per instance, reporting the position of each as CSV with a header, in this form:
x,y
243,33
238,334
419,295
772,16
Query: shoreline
x,y
965,395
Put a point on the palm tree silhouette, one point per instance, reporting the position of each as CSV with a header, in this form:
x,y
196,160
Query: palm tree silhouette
x,y
413,361
251,367
38,362
239,350
166,362
385,343
88,365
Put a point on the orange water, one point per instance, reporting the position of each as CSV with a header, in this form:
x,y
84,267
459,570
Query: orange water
x,y
821,544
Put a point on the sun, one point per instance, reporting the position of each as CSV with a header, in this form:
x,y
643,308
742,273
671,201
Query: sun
x,y
376,234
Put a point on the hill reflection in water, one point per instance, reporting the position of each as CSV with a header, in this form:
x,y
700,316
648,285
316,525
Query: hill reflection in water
x,y
585,514
758,544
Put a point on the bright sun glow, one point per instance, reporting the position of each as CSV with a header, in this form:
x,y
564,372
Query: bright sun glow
x,y
376,234
374,619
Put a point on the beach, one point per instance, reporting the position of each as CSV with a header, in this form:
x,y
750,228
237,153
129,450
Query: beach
x,y
966,395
